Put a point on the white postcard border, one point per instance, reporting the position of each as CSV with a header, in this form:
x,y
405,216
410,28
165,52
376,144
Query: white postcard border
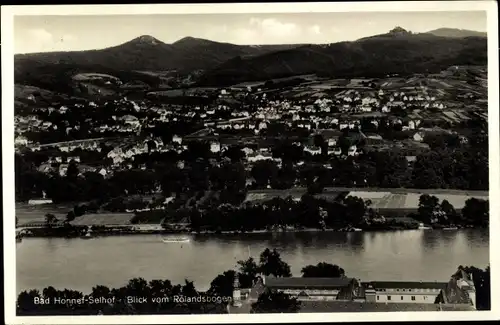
x,y
8,13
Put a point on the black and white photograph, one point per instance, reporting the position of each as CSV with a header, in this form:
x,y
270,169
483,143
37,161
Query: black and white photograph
x,y
248,160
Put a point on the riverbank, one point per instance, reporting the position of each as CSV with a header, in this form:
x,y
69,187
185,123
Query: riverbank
x,y
75,232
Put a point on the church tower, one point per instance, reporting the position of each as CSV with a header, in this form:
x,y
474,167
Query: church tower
x,y
236,291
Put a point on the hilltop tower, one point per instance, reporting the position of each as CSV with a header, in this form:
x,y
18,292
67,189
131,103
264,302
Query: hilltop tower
x,y
236,291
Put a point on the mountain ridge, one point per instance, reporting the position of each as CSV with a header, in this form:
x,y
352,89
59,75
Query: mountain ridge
x,y
397,51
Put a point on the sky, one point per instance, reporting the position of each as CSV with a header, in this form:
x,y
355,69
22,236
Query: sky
x,y
71,33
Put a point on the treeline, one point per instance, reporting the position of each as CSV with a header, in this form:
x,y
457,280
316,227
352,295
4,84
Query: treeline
x,y
342,212
158,296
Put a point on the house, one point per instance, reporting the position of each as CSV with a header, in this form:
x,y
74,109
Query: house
x,y
63,169
247,151
177,139
21,140
459,290
404,292
215,147
411,159
310,289
332,142
419,136
259,157
130,120
352,150
313,150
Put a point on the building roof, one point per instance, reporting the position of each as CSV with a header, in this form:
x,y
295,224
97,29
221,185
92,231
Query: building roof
x,y
348,306
302,283
407,285
329,133
454,295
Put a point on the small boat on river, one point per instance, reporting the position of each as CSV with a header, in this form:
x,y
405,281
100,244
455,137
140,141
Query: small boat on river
x,y
176,240
88,235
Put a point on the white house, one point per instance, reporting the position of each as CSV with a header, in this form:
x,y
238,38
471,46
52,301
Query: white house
x,y
313,150
215,147
419,136
352,150
21,140
177,139
130,120
407,292
259,157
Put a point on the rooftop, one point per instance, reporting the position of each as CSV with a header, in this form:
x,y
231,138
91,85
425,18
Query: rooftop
x,y
407,285
348,306
302,283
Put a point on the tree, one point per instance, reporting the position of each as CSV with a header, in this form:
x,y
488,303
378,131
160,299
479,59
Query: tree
x,y
271,264
323,270
234,153
50,220
427,207
319,141
344,143
223,284
70,216
449,211
275,302
264,171
355,210
72,172
248,272
476,212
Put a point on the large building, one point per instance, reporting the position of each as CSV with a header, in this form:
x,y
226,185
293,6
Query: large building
x,y
312,289
350,294
408,292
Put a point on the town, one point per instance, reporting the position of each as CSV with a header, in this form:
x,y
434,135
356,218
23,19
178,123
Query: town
x,y
151,161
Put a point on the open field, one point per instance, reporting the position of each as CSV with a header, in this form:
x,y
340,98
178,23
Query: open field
x,y
391,201
27,214
36,213
103,219
382,199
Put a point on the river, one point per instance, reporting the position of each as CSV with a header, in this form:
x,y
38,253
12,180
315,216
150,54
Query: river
x,y
427,255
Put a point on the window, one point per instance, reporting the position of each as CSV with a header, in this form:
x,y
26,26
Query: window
x,y
413,298
378,298
409,290
401,297
388,297
404,290
397,289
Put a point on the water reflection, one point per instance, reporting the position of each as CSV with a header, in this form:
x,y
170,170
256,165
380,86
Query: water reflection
x,y
111,261
430,239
